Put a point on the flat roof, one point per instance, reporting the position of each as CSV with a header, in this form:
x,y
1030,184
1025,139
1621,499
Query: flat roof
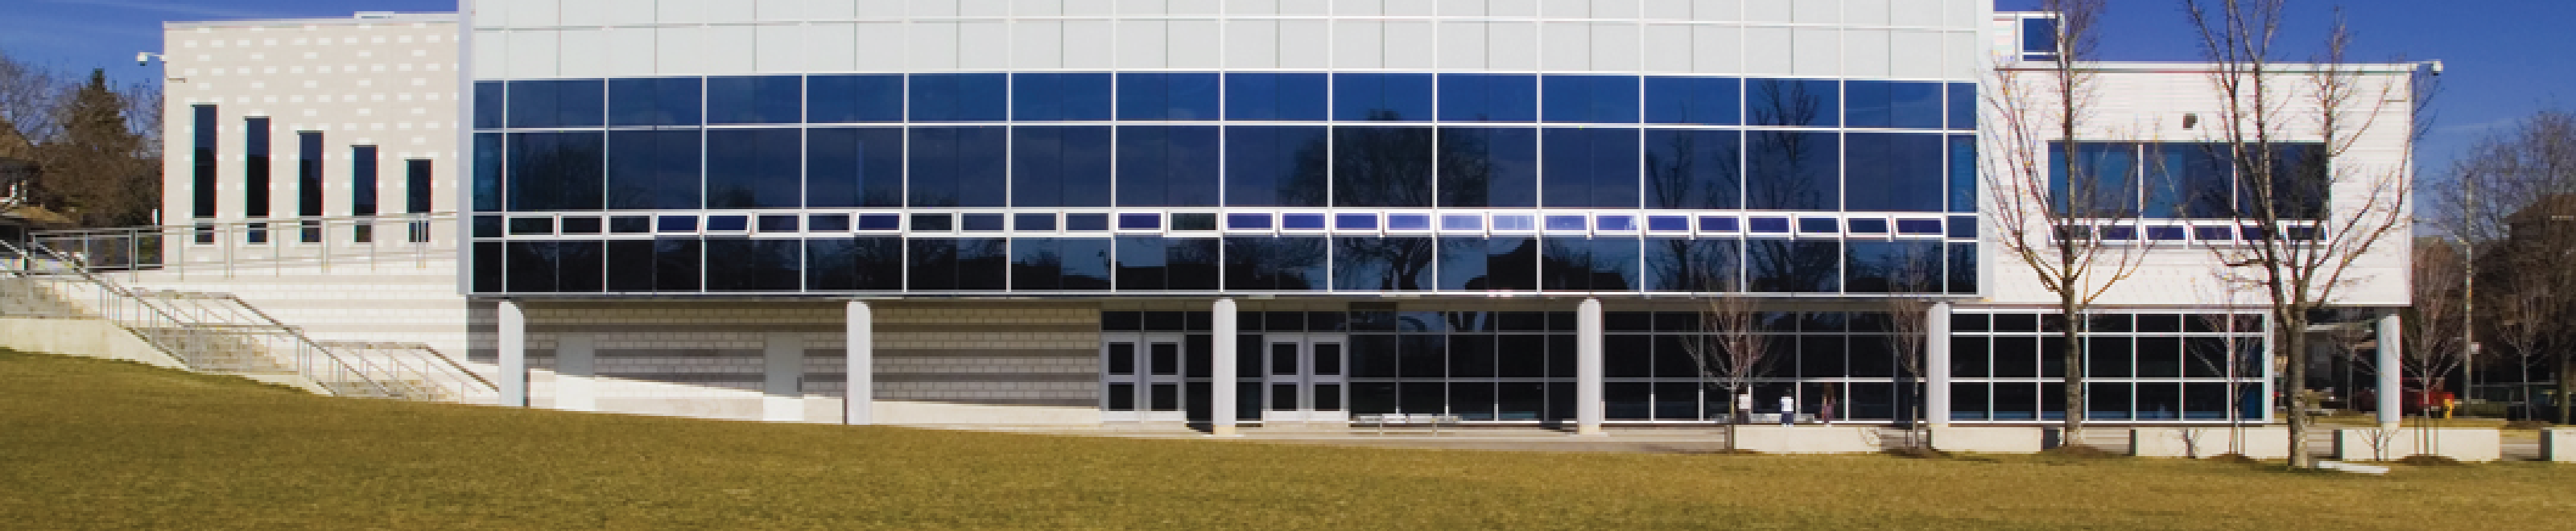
x,y
361,17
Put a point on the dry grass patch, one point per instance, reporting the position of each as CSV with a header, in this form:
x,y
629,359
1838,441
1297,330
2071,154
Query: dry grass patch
x,y
97,444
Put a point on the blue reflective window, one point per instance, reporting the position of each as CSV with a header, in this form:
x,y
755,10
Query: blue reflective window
x,y
1086,222
1869,226
960,97
1691,264
1588,99
1167,165
1382,97
1693,100
755,99
1167,96
1589,168
1793,170
957,264
1588,264
1370,263
827,222
1033,222
1462,222
1059,264
1488,97
1056,97
488,157
956,167
557,103
940,222
1489,264
2120,233
1819,225
677,224
556,171
1693,169
1301,221
1140,221
1962,105
1274,166
1355,221
1667,223
1488,167
754,265
653,169
1899,104
1247,221
728,223
1265,96
1899,266
528,226
1515,222
980,222
1566,223
2216,234
488,106
1769,225
853,167
2039,35
1265,263
854,98
1382,166
854,264
1408,221
778,223
1719,223
1963,173
1616,222
880,222
1793,102
2167,233
1918,226
1793,266
663,101
1893,172
2104,184
2188,180
1963,226
1060,166
1156,263
630,224
755,168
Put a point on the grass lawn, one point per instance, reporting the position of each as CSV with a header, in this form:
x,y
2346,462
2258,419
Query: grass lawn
x,y
99,444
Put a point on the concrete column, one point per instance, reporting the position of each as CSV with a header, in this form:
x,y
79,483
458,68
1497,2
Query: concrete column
x,y
1936,365
2391,389
783,383
514,355
858,400
1587,368
575,367
1222,371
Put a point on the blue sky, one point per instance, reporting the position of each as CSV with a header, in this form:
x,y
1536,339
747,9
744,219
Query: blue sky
x,y
2498,52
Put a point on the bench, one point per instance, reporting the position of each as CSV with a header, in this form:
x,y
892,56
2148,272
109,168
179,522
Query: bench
x,y
1402,419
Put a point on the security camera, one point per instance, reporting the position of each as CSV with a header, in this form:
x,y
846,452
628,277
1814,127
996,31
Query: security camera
x,y
142,58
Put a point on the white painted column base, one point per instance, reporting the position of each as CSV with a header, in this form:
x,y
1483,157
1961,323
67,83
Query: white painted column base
x,y
1587,369
858,398
513,381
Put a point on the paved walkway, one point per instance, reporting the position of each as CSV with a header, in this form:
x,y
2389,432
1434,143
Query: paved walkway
x,y
2519,445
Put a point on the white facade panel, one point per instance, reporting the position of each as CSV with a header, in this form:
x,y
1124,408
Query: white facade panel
x,y
1614,9
1251,43
1087,8
1358,8
831,47
1194,7
1767,51
532,54
676,50
1717,10
630,51
1815,51
1512,8
1865,53
1410,8
1195,44
931,45
778,48
1462,45
1866,12
531,13
1915,12
983,45
983,8
1962,56
1770,10
1664,9
1251,7
681,11
1565,46
1300,7
731,12
1968,13
491,54
1462,8
728,50
1037,8
603,13
1090,44
587,53
1668,48
1914,54
887,9
1409,44
1565,9
1515,46
781,10
880,46
931,8
1817,12
1359,44
1037,44
1614,46
831,9
1140,44
1717,50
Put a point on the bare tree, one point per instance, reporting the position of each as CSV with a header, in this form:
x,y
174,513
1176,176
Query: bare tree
x,y
2229,355
2047,204
2287,129
1909,317
2508,203
1731,353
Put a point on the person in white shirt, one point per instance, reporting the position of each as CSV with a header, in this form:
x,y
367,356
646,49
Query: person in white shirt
x,y
1788,409
1744,407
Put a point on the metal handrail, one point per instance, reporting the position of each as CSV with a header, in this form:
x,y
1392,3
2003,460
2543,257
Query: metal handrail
x,y
337,374
314,240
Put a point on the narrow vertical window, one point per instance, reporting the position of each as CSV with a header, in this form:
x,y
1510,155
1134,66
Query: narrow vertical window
x,y
255,176
308,184
416,197
202,175
362,191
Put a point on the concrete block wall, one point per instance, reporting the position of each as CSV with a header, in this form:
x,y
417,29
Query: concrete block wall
x,y
1017,354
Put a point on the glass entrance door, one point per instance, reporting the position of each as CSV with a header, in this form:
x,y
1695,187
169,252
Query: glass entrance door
x,y
1141,378
1302,377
